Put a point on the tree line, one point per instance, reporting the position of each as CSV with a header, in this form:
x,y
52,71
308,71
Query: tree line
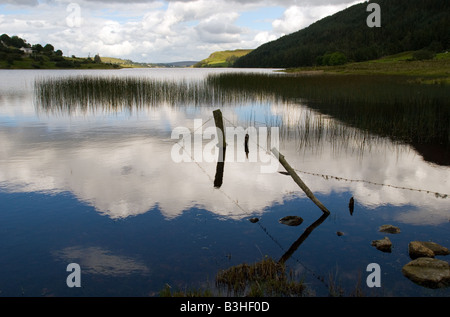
x,y
15,49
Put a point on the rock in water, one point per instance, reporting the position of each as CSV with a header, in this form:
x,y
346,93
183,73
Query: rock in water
x,y
254,220
389,229
436,248
384,244
291,220
428,272
418,249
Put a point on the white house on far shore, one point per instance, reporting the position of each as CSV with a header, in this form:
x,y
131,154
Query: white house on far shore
x,y
26,50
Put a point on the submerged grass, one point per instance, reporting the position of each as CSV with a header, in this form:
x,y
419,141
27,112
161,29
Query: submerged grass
x,y
263,278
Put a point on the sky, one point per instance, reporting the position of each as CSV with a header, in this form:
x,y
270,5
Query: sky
x,y
159,31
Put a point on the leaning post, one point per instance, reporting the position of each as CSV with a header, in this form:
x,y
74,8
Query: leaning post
x,y
299,181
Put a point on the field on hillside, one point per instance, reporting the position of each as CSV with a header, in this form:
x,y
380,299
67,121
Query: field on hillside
x,y
435,70
222,58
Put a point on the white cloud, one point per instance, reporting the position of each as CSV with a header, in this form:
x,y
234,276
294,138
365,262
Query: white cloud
x,y
292,20
264,37
297,17
219,28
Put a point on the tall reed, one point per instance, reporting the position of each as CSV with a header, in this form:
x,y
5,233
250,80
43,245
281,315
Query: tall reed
x,y
389,106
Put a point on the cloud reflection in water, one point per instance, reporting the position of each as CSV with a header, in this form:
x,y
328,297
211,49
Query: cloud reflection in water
x,y
120,163
128,173
96,260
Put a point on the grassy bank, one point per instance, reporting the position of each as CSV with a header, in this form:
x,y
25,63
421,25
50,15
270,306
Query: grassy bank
x,y
45,62
430,71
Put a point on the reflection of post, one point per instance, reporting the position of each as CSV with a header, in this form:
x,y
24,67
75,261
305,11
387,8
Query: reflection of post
x,y
218,180
219,124
218,119
299,182
302,238
246,145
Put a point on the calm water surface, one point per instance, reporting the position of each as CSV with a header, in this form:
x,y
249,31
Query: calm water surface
x,y
100,189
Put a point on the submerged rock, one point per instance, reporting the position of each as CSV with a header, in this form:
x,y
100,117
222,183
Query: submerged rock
x,y
389,229
291,220
428,272
254,220
427,249
384,244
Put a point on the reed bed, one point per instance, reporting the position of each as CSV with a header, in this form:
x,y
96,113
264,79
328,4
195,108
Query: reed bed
x,y
89,93
390,106
341,107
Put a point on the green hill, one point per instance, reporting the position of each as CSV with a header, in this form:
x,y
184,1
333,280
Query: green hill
x,y
406,25
125,63
16,53
222,58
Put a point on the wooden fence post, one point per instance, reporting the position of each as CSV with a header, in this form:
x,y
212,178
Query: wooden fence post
x,y
299,181
218,119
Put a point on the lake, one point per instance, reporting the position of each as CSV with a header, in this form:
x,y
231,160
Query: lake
x,y
108,187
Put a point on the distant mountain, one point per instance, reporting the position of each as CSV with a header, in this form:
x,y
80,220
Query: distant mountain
x,y
178,64
126,63
406,25
222,58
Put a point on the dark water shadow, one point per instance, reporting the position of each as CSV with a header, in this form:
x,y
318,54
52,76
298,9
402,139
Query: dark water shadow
x,y
302,238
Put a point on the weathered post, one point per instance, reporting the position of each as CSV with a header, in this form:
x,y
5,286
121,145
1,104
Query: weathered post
x,y
218,119
299,181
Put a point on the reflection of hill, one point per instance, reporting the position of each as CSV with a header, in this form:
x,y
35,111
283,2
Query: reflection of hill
x,y
433,153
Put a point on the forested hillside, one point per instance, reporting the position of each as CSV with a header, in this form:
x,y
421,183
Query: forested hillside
x,y
406,25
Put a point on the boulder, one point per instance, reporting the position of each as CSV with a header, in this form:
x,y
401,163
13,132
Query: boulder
x,y
389,229
428,272
436,248
384,244
427,249
291,220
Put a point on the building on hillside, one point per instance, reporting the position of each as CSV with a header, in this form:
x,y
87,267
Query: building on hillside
x,y
26,50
